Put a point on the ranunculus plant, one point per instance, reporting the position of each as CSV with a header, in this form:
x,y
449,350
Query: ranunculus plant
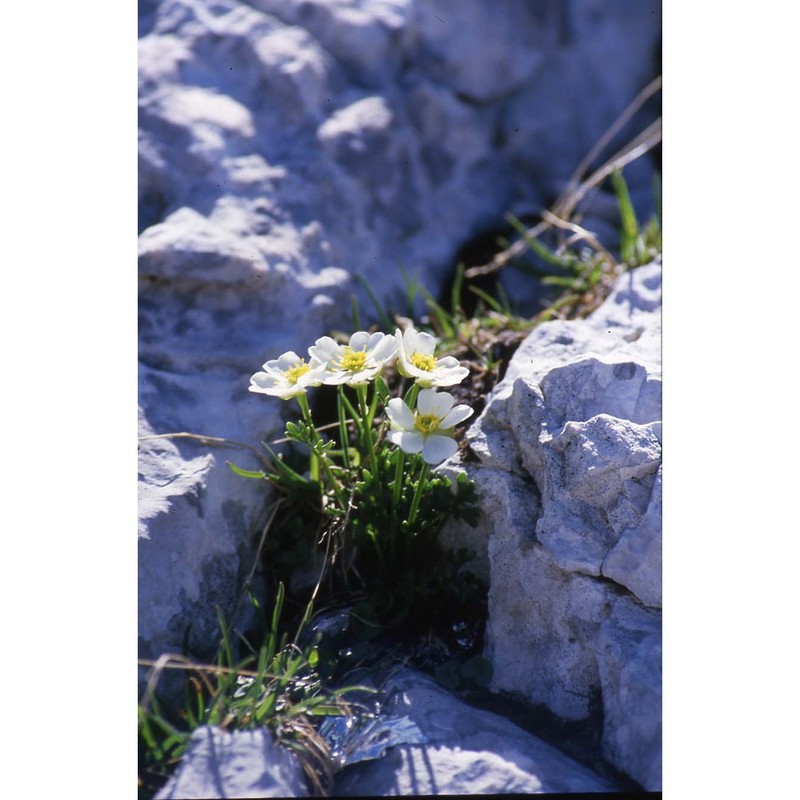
x,y
373,468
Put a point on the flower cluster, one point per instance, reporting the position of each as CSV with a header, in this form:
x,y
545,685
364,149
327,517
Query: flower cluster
x,y
423,425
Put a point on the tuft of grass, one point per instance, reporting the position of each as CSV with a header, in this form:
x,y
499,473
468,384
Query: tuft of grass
x,y
277,686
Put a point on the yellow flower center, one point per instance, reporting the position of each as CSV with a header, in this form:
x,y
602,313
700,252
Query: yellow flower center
x,y
421,361
293,373
353,360
427,423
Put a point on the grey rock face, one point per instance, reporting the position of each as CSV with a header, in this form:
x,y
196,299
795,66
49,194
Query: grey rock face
x,y
570,480
283,148
630,677
239,764
468,751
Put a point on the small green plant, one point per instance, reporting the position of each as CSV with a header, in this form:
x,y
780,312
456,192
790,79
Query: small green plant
x,y
278,687
370,473
570,259
637,245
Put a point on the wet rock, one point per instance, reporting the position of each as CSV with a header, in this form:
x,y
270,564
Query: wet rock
x,y
468,751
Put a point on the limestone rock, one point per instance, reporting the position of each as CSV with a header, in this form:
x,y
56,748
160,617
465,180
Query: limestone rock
x,y
571,440
285,147
630,678
239,764
635,560
468,751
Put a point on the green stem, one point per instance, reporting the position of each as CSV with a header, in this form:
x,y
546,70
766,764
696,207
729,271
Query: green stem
x,y
319,452
369,444
398,477
423,475
343,427
411,396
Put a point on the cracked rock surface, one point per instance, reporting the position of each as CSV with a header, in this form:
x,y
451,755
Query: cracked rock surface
x,y
457,750
569,472
286,146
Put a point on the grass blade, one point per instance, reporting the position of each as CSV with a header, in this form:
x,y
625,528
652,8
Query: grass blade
x,y
547,255
356,315
276,616
445,320
488,299
383,316
630,227
246,473
455,291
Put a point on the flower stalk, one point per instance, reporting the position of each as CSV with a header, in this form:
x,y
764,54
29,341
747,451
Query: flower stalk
x,y
423,474
423,421
320,453
369,445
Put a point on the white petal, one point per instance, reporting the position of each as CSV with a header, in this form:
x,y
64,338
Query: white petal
x,y
409,341
362,376
438,448
394,436
324,349
385,349
314,377
336,377
448,377
262,381
398,335
272,368
274,387
400,414
448,362
455,415
423,343
411,442
287,361
359,340
374,340
414,372
436,403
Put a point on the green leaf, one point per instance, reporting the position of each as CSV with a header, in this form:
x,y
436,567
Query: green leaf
x,y
245,473
356,315
543,252
455,291
291,477
382,388
276,616
630,227
226,651
445,320
354,415
385,319
266,708
487,298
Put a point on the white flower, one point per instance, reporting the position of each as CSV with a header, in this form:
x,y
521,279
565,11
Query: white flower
x,y
357,362
428,430
287,376
416,360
